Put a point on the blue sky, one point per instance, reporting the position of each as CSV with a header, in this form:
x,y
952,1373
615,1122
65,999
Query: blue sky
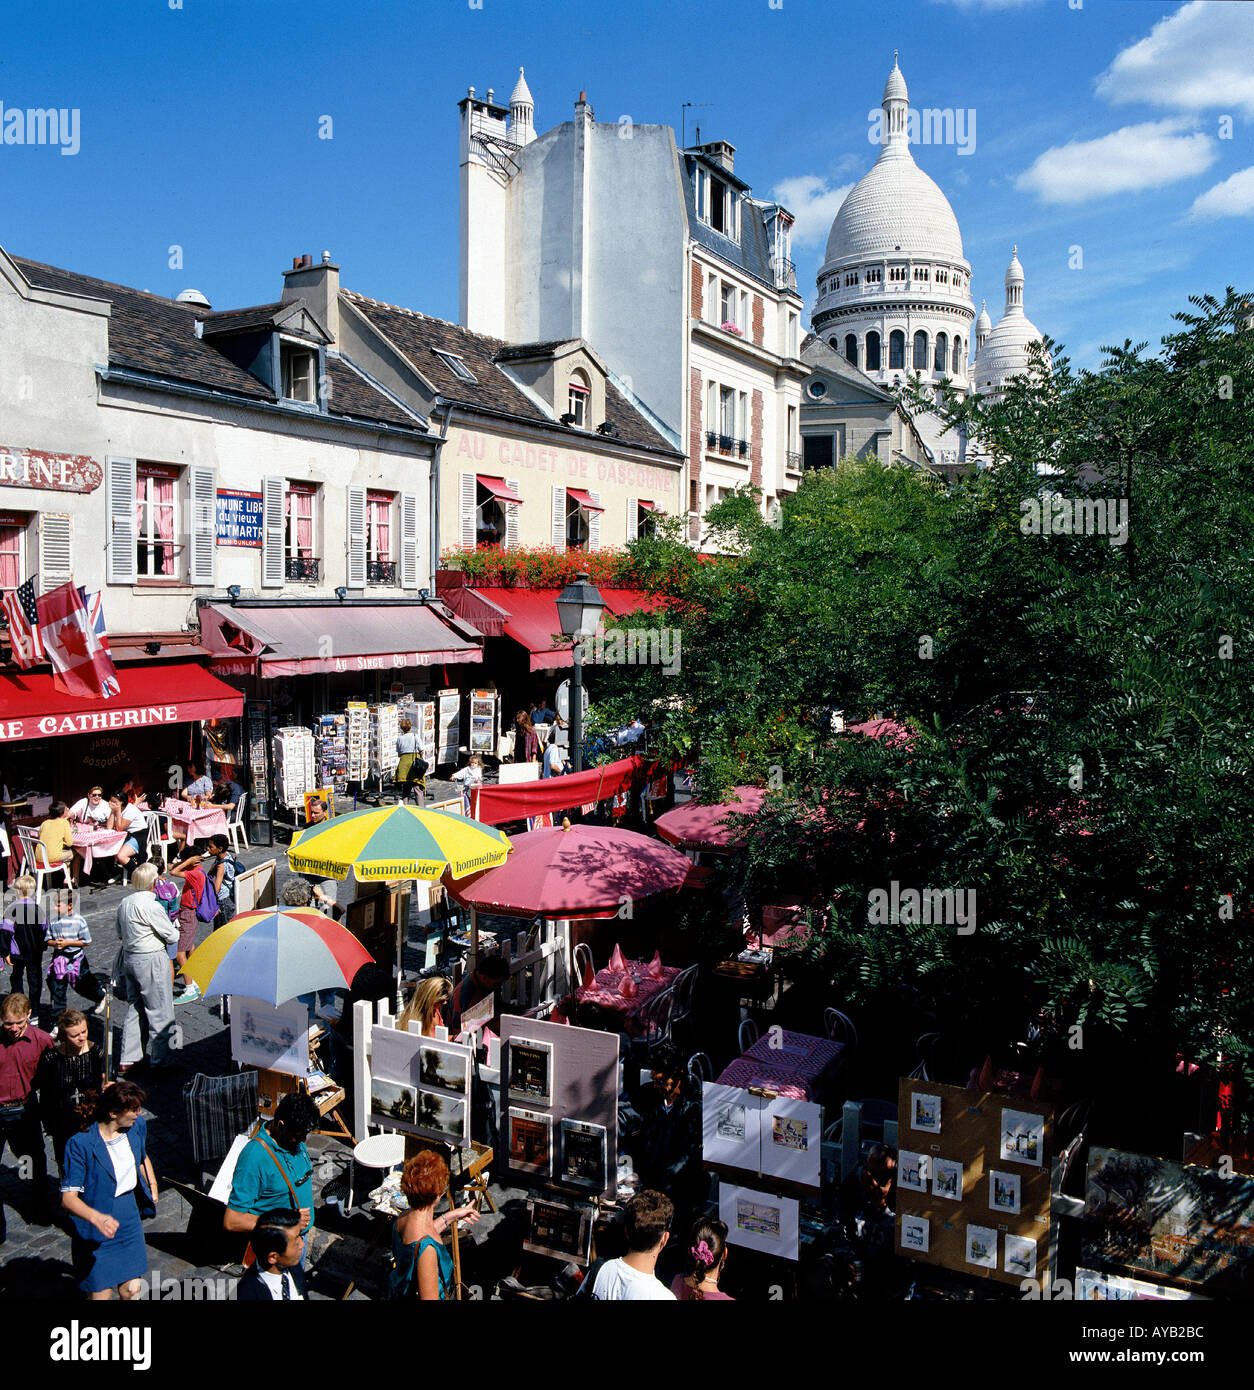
x,y
1099,127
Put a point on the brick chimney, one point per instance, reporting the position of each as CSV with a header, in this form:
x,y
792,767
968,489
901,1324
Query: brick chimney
x,y
319,286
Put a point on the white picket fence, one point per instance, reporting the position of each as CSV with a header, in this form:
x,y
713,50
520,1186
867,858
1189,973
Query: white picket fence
x,y
539,966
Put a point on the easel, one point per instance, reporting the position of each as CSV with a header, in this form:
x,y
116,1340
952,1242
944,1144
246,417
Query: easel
x,y
273,1085
473,1167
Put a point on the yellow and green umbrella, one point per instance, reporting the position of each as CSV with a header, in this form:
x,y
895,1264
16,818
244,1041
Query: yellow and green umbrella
x,y
402,841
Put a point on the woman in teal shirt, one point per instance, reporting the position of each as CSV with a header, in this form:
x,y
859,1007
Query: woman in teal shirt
x,y
421,1266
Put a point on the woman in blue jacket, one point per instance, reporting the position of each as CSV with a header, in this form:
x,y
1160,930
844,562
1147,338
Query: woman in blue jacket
x,y
107,1185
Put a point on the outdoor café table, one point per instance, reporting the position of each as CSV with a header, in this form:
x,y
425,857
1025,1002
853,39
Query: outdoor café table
x,y
606,993
796,1068
89,843
195,823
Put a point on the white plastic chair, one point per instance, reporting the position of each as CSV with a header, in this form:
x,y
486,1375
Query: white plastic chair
x,y
35,859
236,826
749,1034
160,837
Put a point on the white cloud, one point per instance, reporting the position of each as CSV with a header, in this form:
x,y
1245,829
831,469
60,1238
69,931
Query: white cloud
x,y
1128,160
813,204
1194,60
1234,197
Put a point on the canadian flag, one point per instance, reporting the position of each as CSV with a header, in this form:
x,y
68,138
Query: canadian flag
x,y
81,664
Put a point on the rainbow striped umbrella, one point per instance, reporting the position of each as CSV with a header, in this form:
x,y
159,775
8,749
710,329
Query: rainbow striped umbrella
x,y
390,842
277,954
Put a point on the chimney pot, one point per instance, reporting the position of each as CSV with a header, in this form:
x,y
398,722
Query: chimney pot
x,y
471,91
491,94
583,96
295,262
326,258
306,260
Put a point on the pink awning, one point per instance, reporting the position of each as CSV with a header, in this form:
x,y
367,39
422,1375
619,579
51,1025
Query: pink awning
x,y
518,800
584,500
692,826
498,488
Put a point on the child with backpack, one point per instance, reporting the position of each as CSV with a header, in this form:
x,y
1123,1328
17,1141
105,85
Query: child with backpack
x,y
221,866
197,903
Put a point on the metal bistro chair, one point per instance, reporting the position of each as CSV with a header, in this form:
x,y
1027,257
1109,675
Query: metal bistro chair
x,y
685,988
839,1027
700,1069
35,859
655,1019
748,1034
585,966
237,826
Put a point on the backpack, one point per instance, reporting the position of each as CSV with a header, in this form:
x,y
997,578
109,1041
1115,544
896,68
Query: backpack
x,y
207,903
167,894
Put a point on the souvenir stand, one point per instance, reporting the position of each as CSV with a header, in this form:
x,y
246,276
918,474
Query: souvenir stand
x,y
973,1181
485,721
766,1151
420,1087
559,1129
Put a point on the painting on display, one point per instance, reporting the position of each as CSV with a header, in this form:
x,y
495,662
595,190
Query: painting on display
x,y
760,1220
584,1149
1022,1137
274,1039
925,1112
947,1179
561,1231
392,1103
1004,1192
791,1137
441,1117
1172,1220
1019,1256
913,1170
731,1122
982,1246
530,1141
530,1072
915,1233
443,1067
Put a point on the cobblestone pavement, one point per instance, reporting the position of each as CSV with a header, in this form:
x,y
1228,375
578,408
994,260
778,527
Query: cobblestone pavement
x,y
35,1260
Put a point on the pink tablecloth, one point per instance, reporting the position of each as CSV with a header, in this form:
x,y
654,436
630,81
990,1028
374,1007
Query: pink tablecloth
x,y
606,991
797,1067
89,843
193,824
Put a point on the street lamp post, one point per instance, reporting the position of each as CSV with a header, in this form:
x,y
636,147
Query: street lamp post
x,y
579,608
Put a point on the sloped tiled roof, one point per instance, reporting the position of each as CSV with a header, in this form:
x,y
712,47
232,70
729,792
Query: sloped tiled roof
x,y
420,338
157,336
752,253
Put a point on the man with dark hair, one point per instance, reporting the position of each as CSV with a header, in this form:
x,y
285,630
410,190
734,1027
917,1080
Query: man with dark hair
x,y
661,1130
280,1250
274,1170
489,974
21,1047
631,1278
864,1201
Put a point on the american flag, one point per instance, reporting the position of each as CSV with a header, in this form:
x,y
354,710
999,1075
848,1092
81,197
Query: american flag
x,y
22,610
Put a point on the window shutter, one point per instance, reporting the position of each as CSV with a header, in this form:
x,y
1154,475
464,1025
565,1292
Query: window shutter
x,y
120,538
203,525
511,516
559,517
356,537
409,540
468,495
272,566
56,532
594,524
633,518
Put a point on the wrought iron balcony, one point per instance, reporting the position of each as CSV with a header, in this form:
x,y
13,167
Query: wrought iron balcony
x,y
303,569
711,439
792,462
380,571
785,275
726,444
742,448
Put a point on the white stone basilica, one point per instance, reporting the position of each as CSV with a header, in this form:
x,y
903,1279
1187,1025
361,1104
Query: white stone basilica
x,y
894,291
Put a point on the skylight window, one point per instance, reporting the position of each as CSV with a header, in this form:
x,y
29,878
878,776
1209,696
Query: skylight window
x,y
455,365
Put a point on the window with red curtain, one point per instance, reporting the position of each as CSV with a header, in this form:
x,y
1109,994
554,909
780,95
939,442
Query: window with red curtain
x,y
299,505
379,534
156,503
12,544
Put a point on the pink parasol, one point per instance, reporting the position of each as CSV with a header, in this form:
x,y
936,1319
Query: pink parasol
x,y
704,827
575,871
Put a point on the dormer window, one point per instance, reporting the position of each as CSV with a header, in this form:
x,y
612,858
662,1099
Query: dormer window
x,y
579,399
455,365
300,373
717,204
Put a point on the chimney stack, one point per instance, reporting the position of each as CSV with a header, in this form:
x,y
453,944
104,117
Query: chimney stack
x,y
319,286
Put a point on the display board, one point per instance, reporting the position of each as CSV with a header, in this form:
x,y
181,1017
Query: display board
x,y
448,725
257,754
420,1085
293,764
273,1039
760,1220
1177,1221
484,721
559,1105
772,1138
973,1180
385,728
357,714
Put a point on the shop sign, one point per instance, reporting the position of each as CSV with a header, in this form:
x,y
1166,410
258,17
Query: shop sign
x,y
105,752
477,448
87,723
239,518
56,472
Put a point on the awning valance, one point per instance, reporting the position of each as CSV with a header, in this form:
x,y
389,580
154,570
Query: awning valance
x,y
584,499
498,488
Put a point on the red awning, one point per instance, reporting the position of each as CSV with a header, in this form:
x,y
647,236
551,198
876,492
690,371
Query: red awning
x,y
584,500
498,488
517,800
152,693
646,504
278,640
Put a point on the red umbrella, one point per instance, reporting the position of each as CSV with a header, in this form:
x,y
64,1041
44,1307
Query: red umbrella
x,y
704,827
575,871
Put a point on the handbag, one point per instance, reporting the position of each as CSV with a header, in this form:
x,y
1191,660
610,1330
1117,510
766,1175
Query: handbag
x,y
250,1257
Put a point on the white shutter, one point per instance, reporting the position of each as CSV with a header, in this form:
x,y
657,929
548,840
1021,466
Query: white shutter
x,y
633,517
409,540
559,517
356,537
469,493
56,533
202,528
511,516
272,567
120,538
594,524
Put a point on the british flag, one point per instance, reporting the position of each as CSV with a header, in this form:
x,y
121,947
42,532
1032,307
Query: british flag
x,y
21,608
95,615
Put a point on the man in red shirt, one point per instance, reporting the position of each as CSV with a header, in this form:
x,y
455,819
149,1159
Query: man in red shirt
x,y
21,1047
193,876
